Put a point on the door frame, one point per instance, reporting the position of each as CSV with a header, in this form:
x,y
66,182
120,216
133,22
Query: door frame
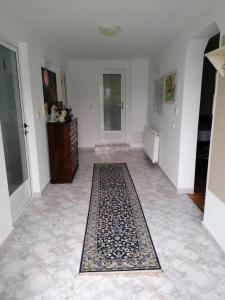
x,y
124,98
17,206
63,74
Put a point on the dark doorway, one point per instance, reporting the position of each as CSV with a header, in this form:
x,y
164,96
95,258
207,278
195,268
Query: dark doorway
x,y
205,124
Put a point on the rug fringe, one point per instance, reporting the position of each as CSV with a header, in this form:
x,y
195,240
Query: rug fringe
x,y
126,273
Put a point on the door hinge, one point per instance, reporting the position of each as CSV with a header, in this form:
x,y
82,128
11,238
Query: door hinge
x,y
4,64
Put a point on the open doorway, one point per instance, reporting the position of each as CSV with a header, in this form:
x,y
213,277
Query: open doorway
x,y
204,125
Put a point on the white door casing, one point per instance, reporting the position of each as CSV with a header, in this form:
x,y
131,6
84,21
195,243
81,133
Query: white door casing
x,y
22,193
108,136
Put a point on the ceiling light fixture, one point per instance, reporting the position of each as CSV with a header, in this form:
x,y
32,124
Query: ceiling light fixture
x,y
110,29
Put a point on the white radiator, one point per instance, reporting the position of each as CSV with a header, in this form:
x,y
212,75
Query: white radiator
x,y
151,144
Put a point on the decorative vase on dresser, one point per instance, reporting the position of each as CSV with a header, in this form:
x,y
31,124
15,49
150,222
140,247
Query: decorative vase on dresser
x,y
63,151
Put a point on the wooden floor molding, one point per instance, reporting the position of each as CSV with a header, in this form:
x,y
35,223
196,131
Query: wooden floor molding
x,y
198,199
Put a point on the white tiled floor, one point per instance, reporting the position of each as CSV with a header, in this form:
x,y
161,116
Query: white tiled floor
x,y
40,259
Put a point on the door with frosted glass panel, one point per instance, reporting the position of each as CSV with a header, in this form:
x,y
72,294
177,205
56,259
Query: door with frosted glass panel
x,y
113,106
13,130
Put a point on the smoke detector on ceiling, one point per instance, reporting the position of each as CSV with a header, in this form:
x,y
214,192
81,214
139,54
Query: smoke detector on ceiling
x,y
110,29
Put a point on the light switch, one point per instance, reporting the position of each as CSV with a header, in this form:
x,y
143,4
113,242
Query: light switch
x,y
38,115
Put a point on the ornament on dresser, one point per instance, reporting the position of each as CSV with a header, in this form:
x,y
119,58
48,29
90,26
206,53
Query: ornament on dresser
x,y
62,116
60,113
55,114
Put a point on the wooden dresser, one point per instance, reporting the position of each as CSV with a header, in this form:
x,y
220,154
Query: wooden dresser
x,y
63,151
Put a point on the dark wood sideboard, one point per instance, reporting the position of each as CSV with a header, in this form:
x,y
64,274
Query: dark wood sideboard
x,y
63,151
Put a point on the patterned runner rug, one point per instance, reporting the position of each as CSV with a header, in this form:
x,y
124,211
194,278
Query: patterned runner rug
x,y
117,236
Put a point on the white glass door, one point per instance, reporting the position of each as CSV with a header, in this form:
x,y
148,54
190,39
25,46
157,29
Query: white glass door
x,y
112,95
13,131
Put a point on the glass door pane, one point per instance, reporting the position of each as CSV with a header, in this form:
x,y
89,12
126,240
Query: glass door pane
x,y
11,120
112,102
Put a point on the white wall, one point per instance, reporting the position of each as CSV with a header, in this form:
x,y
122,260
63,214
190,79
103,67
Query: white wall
x,y
190,113
168,60
36,61
83,92
178,145
214,217
139,100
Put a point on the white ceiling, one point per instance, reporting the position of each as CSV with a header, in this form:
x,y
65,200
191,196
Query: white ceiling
x,y
72,25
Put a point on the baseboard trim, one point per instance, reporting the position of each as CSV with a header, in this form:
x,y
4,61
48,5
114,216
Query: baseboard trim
x,y
93,148
19,212
185,191
6,236
86,148
212,236
179,190
39,194
137,148
33,195
36,195
167,176
45,187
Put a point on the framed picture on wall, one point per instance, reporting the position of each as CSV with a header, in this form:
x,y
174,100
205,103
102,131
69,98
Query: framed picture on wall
x,y
159,95
49,89
170,87
63,89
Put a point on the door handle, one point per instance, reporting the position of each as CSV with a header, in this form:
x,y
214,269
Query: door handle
x,y
25,128
121,105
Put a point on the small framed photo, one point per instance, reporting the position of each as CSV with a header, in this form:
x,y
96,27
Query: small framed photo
x,y
170,87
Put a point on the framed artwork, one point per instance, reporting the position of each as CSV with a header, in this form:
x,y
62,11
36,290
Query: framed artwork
x,y
63,89
159,95
170,87
49,89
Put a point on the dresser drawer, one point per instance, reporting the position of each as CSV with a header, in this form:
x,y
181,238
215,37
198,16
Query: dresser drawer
x,y
63,151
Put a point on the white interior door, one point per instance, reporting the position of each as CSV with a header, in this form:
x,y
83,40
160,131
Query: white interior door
x,y
13,131
112,103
